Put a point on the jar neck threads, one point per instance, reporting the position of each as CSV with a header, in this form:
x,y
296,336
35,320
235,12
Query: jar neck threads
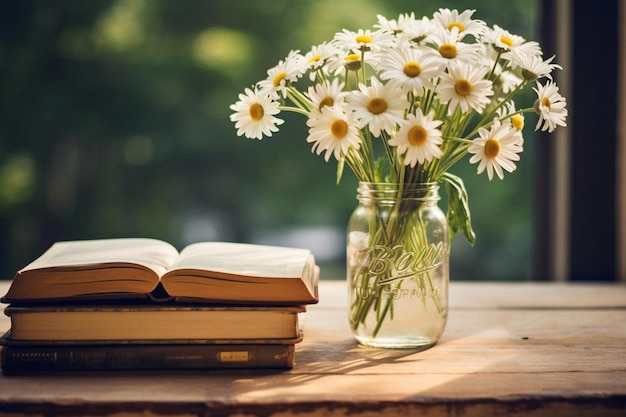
x,y
390,193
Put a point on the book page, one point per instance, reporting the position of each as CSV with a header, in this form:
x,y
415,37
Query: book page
x,y
241,259
153,254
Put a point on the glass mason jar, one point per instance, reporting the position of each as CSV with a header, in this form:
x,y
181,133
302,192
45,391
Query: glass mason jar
x,y
398,266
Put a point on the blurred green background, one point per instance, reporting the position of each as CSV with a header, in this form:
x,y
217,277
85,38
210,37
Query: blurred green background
x,y
114,121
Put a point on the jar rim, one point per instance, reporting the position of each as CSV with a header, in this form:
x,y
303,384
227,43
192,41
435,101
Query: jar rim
x,y
398,185
430,183
391,192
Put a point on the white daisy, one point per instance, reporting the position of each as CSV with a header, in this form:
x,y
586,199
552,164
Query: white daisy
x,y
411,67
254,115
283,74
449,48
334,131
550,106
508,115
449,19
495,149
534,67
378,106
317,58
338,64
395,26
508,81
363,40
327,94
511,46
419,138
416,31
464,86
507,112
504,79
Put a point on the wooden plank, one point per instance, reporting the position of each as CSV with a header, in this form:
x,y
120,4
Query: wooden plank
x,y
537,295
487,295
343,394
508,349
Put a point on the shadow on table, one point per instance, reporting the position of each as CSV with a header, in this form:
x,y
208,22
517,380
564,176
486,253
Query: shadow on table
x,y
315,360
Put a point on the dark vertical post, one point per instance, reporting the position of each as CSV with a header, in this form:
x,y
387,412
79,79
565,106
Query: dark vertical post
x,y
594,140
592,124
544,148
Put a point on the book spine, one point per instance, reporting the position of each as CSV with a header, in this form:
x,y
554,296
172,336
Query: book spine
x,y
16,359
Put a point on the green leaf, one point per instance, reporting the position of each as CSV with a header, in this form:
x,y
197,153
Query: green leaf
x,y
340,165
458,214
380,170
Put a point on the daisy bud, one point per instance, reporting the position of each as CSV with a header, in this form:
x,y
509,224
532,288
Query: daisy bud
x,y
353,62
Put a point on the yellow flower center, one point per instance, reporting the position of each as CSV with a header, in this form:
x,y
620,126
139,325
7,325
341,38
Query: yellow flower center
x,y
256,112
545,102
363,39
377,105
417,135
518,122
315,58
457,25
353,62
447,50
339,128
492,148
506,40
463,87
279,77
412,69
327,101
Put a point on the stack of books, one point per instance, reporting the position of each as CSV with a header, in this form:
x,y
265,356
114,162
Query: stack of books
x,y
134,303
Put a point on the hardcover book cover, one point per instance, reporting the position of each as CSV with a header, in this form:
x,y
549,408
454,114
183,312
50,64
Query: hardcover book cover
x,y
66,358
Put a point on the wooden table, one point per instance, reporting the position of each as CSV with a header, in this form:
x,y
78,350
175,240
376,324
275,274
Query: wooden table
x,y
510,349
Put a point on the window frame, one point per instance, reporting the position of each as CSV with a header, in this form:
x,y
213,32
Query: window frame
x,y
580,206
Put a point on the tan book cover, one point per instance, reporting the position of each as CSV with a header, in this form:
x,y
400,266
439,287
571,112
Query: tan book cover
x,y
152,323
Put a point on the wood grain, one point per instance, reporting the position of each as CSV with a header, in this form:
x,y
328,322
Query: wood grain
x,y
523,349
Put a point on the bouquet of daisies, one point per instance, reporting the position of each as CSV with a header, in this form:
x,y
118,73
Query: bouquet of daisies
x,y
406,100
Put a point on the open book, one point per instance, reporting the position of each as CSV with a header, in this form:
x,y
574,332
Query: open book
x,y
208,271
